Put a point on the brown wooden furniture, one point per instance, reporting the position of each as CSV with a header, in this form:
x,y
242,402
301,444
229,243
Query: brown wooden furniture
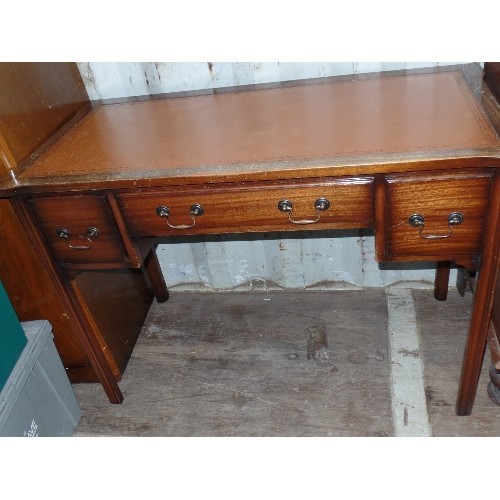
x,y
38,101
412,155
492,78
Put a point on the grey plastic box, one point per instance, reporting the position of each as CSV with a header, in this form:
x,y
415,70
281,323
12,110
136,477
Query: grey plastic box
x,y
37,399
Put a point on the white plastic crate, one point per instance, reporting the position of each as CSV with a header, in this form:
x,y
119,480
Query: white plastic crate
x,y
37,399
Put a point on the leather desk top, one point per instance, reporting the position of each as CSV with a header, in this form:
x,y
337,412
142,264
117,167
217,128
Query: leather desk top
x,y
262,130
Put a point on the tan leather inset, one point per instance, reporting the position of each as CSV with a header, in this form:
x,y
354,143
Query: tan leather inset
x,y
385,115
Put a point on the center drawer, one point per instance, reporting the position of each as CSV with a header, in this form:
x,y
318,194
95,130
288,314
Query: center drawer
x,y
331,203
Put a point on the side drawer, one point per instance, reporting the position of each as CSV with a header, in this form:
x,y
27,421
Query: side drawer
x,y
331,203
435,215
79,229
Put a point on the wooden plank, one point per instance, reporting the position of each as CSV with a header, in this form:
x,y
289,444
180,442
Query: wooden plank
x,y
236,365
443,330
408,396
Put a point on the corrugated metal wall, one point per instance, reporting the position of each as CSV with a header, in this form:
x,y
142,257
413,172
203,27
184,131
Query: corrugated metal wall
x,y
109,80
316,259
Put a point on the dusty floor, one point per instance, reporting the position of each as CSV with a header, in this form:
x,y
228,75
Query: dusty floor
x,y
235,364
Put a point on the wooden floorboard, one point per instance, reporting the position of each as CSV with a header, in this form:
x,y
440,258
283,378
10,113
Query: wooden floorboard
x,y
443,330
235,364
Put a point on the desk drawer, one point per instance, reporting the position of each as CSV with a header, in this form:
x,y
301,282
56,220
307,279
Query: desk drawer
x,y
333,203
79,229
435,215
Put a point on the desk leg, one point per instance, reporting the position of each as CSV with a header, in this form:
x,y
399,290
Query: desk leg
x,y
70,299
482,307
441,280
153,271
94,350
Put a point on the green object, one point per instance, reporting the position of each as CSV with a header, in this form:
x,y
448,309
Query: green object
x,y
12,337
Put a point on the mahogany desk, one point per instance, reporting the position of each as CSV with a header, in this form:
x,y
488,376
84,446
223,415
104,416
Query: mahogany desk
x,y
412,156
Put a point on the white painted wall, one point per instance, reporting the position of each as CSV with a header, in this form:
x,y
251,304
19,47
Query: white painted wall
x,y
319,260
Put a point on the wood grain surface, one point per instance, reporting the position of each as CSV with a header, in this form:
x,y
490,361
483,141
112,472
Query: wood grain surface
x,y
250,207
236,365
443,331
435,197
36,100
77,213
31,289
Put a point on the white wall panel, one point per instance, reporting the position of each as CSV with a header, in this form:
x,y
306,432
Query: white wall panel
x,y
110,80
320,259
343,259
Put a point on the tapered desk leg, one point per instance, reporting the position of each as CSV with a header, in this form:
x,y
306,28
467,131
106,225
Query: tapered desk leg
x,y
482,307
153,270
94,350
441,280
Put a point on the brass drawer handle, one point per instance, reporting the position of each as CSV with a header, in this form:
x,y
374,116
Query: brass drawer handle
x,y
92,234
418,221
321,205
194,211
